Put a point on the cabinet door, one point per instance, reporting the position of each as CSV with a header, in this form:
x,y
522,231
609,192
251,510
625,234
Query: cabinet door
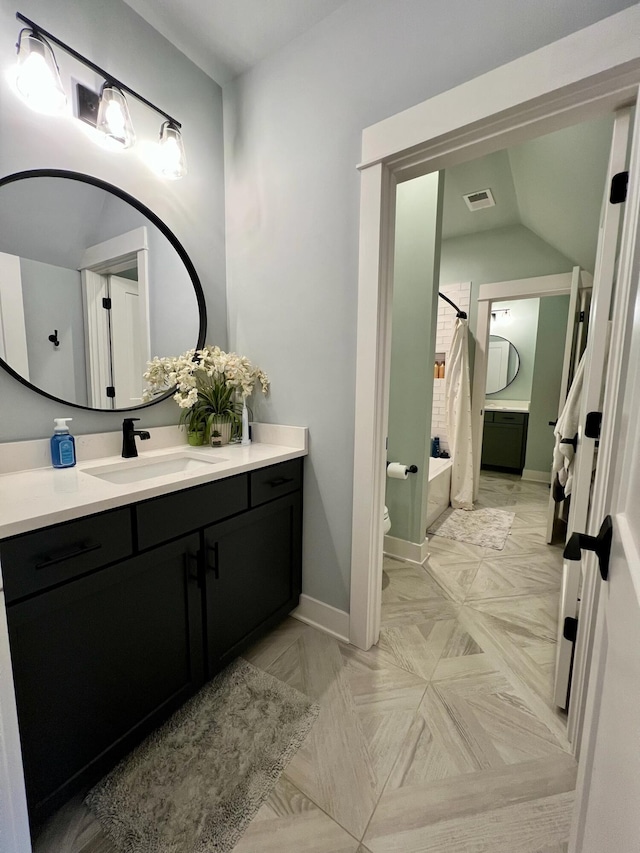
x,y
253,575
100,661
502,445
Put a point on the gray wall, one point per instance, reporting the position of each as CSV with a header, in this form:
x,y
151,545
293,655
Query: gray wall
x,y
417,259
545,392
53,300
113,36
293,133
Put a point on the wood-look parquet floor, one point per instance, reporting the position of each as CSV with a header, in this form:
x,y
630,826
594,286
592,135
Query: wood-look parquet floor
x,y
443,737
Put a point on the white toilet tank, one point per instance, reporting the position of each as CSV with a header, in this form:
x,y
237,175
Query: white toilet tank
x,y
387,521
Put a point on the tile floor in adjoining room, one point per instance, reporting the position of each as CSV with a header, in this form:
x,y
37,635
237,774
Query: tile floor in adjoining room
x,y
444,737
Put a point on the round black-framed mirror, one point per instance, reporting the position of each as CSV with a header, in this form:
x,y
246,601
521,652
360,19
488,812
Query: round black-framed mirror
x,y
503,364
92,281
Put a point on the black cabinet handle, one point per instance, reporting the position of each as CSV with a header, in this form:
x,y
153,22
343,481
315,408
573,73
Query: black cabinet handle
x,y
213,550
79,552
193,567
279,481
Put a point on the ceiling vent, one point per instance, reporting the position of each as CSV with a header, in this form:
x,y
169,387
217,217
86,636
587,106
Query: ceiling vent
x,y
479,199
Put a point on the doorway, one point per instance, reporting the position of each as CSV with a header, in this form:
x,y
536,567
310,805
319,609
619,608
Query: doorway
x,y
519,101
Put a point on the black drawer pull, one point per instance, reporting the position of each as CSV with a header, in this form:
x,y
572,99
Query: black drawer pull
x,y
279,481
213,550
80,551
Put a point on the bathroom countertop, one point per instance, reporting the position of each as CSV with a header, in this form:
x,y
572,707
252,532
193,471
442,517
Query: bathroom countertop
x,y
506,405
36,497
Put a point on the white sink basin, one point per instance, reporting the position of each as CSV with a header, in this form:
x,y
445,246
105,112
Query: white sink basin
x,y
135,470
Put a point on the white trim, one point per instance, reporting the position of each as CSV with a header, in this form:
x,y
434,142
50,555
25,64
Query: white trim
x,y
14,833
109,251
324,617
412,552
526,288
584,75
13,330
536,476
96,339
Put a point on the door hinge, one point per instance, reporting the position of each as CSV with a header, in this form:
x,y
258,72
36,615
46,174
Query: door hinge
x,y
570,629
111,391
593,425
581,317
619,185
106,302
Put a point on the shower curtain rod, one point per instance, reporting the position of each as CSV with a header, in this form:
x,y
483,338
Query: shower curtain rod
x,y
461,314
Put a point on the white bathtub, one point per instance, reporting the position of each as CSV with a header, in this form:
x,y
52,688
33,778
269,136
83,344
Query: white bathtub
x,y
439,488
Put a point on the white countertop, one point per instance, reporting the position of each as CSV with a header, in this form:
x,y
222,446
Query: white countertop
x,y
37,497
507,405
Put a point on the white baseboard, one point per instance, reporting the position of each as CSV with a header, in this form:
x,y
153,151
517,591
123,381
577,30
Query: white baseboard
x,y
324,617
412,552
536,476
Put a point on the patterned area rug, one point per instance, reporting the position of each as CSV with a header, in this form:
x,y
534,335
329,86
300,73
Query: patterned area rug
x,y
195,784
486,527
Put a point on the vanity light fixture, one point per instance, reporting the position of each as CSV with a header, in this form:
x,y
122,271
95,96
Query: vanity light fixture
x,y
38,83
501,315
37,75
172,160
114,120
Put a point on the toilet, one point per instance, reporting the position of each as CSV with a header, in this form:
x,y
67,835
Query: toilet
x,y
387,521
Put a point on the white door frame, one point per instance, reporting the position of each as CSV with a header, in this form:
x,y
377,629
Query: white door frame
x,y
523,288
587,74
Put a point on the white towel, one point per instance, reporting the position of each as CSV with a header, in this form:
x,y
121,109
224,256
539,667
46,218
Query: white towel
x,y
567,428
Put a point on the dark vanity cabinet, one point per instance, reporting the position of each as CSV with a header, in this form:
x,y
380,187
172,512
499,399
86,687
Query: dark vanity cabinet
x,y
115,619
504,441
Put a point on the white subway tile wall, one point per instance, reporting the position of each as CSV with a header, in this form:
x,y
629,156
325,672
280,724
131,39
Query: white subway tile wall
x,y
461,295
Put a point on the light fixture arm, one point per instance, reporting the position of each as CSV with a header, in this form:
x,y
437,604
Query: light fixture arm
x,y
38,31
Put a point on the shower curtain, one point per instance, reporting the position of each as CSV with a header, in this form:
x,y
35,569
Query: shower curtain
x,y
458,403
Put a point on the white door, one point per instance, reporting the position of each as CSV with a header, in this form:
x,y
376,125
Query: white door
x,y
127,342
591,400
607,813
497,365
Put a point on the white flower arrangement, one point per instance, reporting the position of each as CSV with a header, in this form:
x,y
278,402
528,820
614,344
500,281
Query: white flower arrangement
x,y
208,382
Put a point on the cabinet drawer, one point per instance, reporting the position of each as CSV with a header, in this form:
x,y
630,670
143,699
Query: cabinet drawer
x,y
170,516
275,481
36,561
488,417
509,417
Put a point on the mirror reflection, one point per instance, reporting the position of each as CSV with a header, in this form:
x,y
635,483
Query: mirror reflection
x,y
81,266
503,364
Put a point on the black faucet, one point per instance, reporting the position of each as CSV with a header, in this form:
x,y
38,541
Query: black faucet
x,y
129,448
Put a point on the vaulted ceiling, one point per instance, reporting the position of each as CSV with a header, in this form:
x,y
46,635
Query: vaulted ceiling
x,y
553,185
226,37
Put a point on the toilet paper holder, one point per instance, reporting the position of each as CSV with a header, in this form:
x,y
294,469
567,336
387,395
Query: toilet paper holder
x,y
411,469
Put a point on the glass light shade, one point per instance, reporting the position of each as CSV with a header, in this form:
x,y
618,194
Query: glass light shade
x,y
38,78
172,161
114,121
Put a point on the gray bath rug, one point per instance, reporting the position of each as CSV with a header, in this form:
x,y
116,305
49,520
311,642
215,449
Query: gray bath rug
x,y
486,527
194,784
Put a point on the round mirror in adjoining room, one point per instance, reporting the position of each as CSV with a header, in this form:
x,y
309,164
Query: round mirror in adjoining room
x,y
503,364
92,286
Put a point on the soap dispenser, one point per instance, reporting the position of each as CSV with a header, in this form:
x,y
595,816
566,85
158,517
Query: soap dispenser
x,y
63,446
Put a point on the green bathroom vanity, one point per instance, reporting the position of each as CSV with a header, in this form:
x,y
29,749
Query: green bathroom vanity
x,y
117,617
504,439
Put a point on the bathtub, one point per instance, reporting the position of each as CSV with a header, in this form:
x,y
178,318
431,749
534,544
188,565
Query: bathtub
x,y
439,488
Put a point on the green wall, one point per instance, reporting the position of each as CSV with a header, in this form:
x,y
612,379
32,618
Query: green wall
x,y
415,296
499,255
552,327
521,331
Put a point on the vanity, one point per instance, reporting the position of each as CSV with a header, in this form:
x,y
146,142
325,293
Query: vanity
x,y
504,439
139,592
127,583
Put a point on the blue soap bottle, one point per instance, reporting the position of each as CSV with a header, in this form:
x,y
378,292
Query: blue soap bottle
x,y
63,446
